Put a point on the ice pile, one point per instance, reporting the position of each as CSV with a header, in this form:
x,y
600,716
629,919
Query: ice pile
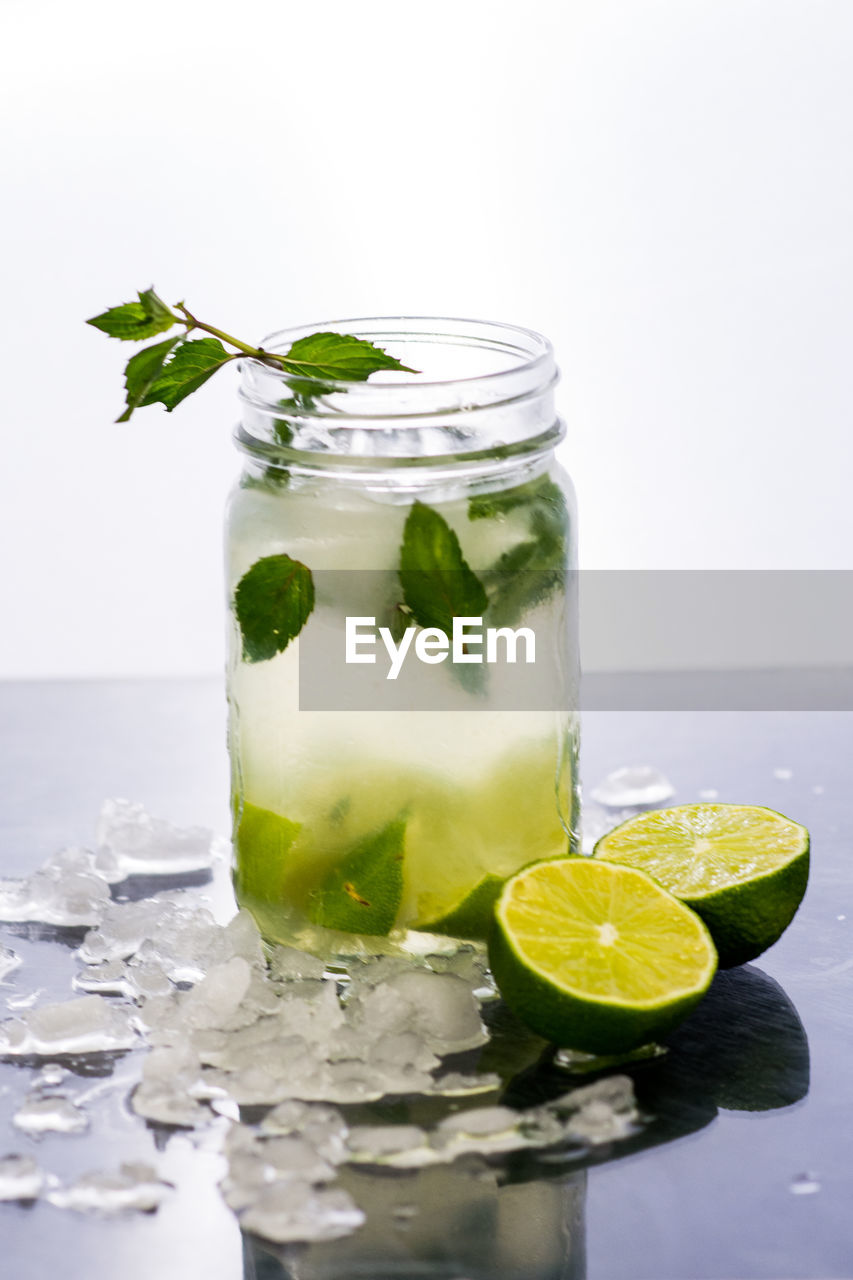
x,y
72,889
244,1033
227,1026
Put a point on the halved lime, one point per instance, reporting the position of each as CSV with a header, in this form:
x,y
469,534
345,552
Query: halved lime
x,y
597,957
472,916
742,868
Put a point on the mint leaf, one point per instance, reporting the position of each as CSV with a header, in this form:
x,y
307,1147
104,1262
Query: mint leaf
x,y
272,602
532,570
340,356
142,371
188,369
362,892
542,491
133,321
437,583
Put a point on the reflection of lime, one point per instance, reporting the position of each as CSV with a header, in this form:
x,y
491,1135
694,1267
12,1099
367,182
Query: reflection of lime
x,y
262,841
597,957
473,916
743,869
361,893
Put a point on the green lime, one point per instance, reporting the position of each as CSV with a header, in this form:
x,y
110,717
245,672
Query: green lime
x,y
361,893
597,957
262,842
743,869
471,917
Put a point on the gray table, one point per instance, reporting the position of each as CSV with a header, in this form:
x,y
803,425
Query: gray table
x,y
706,1196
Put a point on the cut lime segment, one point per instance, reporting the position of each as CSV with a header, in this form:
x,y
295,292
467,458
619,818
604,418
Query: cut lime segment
x,y
473,916
597,957
743,869
262,841
361,893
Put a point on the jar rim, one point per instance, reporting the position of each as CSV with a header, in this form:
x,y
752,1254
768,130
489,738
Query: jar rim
x,y
500,395
533,351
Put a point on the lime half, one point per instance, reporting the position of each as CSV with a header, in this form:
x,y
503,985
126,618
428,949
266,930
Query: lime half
x,y
743,869
597,957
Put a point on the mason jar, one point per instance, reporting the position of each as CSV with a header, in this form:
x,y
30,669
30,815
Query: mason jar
x,y
403,656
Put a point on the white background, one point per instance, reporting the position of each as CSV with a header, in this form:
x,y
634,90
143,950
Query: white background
x,y
662,186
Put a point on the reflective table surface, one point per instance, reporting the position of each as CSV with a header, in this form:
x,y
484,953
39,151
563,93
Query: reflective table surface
x,y
743,1169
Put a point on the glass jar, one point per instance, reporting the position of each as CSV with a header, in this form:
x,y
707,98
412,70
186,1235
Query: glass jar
x,y
403,659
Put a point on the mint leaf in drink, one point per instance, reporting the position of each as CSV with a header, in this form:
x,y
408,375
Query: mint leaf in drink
x,y
142,371
362,892
542,492
187,370
340,356
529,572
438,585
133,321
273,601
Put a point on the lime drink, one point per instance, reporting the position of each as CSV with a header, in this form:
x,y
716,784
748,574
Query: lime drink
x,y
425,531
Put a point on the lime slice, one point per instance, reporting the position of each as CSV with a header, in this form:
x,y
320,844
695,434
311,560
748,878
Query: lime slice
x,y
743,869
597,957
473,916
361,893
262,842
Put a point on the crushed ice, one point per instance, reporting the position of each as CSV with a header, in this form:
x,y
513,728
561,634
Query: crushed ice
x,y
226,1026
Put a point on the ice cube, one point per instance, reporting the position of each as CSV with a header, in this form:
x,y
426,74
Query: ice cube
x,y
20,1178
109,978
218,996
323,1126
38,1115
634,786
8,961
401,1145
87,1025
57,895
134,1188
295,1211
142,845
804,1184
441,1008
287,964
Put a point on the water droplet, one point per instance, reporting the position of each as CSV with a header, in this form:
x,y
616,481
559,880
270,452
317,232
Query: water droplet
x,y
841,917
818,790
784,775
709,793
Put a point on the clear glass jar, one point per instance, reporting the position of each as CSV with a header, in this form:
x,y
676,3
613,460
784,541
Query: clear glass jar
x,y
374,811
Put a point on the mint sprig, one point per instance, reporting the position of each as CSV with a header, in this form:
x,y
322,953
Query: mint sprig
x,y
169,371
